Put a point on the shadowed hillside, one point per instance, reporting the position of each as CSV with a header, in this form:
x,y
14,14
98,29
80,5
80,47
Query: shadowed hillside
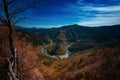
x,y
80,33
88,37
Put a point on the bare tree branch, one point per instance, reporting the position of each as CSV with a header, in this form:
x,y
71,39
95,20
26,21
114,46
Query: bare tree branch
x,y
15,7
10,17
3,20
19,19
10,2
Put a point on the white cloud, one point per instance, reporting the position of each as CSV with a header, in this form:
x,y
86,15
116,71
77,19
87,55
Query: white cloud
x,y
99,21
103,9
108,15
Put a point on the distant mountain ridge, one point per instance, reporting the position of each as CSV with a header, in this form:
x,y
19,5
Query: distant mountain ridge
x,y
76,32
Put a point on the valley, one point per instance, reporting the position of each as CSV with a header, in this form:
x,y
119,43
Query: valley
x,y
66,54
82,37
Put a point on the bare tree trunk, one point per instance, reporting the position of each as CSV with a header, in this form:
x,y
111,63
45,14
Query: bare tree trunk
x,y
10,27
13,61
11,72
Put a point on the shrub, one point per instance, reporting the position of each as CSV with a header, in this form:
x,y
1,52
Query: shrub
x,y
48,63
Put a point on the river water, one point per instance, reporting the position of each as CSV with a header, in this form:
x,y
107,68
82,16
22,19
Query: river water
x,y
67,55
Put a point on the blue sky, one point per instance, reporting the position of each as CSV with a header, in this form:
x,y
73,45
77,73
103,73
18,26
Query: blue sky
x,y
56,13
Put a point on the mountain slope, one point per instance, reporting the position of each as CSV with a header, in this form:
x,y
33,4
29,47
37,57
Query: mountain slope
x,y
96,64
100,63
87,37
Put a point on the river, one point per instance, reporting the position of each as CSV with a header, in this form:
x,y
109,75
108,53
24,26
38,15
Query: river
x,y
67,55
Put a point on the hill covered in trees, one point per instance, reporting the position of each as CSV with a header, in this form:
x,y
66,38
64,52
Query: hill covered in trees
x,y
99,62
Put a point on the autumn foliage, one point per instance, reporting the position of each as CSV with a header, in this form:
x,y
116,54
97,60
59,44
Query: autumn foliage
x,y
101,63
